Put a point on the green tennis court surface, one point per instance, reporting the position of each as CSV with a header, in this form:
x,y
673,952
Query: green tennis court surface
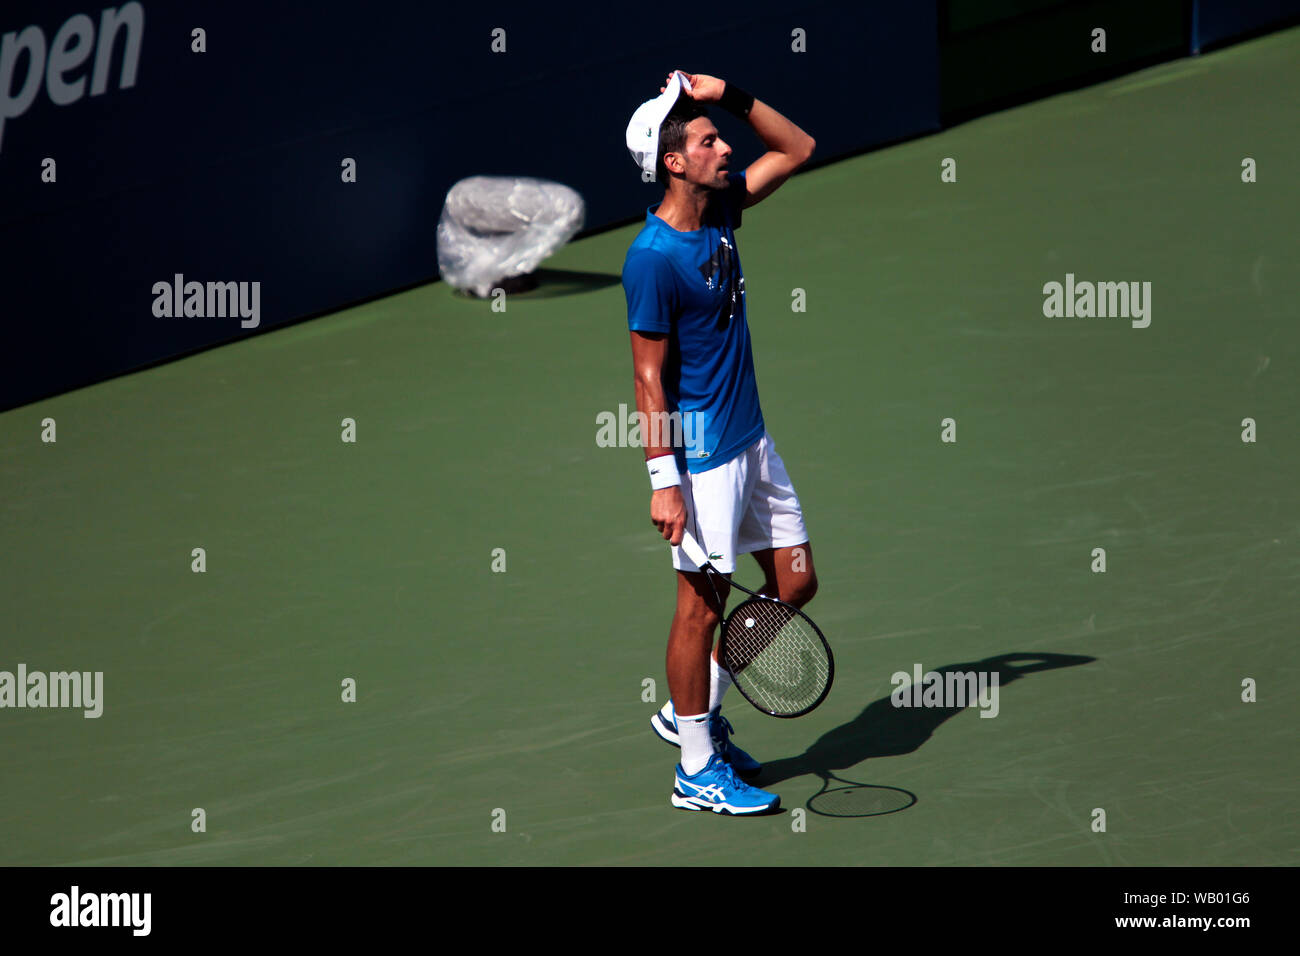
x,y
521,691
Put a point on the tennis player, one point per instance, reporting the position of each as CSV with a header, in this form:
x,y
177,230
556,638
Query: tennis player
x,y
691,355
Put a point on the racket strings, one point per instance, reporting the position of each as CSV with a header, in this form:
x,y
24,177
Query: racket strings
x,y
775,656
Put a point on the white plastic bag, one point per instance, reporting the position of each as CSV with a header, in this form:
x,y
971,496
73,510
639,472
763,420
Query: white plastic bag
x,y
493,228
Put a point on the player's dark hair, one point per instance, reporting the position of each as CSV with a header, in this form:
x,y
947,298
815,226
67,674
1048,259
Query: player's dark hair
x,y
672,133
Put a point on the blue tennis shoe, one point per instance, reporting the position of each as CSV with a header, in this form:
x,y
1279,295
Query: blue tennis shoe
x,y
716,788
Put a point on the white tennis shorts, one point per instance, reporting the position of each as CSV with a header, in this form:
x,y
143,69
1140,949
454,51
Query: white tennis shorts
x,y
744,506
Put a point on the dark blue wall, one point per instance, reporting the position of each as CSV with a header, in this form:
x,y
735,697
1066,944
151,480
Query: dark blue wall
x,y
1216,22
225,166
997,53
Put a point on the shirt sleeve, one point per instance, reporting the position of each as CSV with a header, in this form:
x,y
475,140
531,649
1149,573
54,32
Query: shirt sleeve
x,y
651,292
736,196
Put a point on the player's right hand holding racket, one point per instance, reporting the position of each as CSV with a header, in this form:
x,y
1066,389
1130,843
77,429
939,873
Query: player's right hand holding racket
x,y
668,512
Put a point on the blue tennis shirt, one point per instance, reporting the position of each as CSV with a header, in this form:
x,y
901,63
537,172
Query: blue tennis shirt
x,y
690,285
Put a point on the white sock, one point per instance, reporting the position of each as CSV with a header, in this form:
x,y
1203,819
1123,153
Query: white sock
x,y
719,684
697,746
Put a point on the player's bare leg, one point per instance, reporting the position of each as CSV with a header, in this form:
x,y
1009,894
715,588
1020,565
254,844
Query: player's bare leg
x,y
789,573
690,641
705,777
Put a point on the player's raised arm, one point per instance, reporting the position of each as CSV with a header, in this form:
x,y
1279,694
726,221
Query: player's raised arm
x,y
788,146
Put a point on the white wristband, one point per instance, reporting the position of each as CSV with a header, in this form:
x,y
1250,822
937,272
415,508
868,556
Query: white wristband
x,y
663,472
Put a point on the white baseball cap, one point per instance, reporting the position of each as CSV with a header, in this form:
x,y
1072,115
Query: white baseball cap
x,y
643,130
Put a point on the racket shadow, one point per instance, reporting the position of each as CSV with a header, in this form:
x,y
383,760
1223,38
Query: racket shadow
x,y
883,730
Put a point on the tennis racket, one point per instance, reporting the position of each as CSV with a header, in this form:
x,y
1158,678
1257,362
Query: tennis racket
x,y
777,657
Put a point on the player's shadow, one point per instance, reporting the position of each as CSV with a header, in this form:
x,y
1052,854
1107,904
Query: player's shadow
x,y
883,730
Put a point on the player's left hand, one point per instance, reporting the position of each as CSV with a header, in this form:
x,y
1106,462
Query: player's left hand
x,y
704,88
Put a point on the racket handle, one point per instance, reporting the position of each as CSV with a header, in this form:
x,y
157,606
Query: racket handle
x,y
694,551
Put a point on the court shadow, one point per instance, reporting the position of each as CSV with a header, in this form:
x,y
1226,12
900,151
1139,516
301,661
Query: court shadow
x,y
553,283
883,730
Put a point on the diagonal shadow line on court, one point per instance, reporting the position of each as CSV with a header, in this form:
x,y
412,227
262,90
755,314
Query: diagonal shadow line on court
x,y
552,283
